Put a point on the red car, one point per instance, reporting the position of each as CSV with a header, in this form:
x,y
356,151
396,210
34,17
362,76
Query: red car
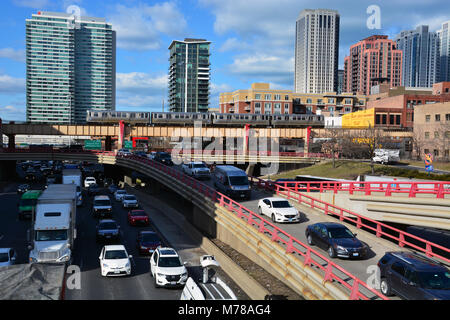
x,y
138,217
147,242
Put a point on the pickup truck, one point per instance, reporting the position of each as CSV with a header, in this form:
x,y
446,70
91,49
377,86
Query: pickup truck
x,y
197,170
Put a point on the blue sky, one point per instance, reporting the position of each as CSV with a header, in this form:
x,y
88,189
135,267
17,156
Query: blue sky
x,y
253,40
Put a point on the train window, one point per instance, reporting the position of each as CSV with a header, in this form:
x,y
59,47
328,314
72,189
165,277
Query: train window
x,y
177,116
160,116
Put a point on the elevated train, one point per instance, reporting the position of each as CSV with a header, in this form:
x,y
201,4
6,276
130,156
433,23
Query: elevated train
x,y
207,119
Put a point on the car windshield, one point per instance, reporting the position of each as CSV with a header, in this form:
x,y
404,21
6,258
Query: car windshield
x,y
121,192
281,204
4,257
93,186
138,214
340,233
28,202
90,179
102,203
169,262
435,280
164,156
108,226
200,165
115,254
51,235
239,181
130,198
150,237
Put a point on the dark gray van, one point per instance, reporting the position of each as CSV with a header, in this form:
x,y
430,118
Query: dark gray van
x,y
232,181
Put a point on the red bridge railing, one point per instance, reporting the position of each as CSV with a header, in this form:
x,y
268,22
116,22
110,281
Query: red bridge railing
x,y
380,229
387,188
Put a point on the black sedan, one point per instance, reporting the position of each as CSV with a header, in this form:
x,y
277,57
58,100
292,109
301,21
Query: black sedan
x,y
337,239
94,189
164,158
147,242
107,230
23,188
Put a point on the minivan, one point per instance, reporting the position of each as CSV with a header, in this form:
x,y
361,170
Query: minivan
x,y
232,181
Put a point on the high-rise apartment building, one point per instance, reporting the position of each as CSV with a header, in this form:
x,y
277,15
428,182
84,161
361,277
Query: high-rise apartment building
x,y
70,67
421,58
444,35
317,51
371,61
189,75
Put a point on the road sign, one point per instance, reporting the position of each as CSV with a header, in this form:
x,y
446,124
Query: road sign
x,y
92,144
128,145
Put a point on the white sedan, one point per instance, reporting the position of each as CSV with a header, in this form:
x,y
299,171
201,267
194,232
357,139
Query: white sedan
x,y
88,181
118,195
279,210
115,261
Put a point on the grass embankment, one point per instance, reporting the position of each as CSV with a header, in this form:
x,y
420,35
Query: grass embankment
x,y
351,170
437,165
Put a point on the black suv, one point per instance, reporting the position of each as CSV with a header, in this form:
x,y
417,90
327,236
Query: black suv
x,y
107,230
414,277
164,158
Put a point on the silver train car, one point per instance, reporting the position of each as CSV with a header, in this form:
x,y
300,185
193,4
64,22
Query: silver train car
x,y
94,116
235,119
296,120
179,118
207,119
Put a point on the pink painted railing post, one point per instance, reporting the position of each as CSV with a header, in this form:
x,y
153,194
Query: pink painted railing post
x,y
388,190
308,258
261,227
275,235
378,230
440,193
358,223
368,191
290,246
352,187
412,190
401,242
429,250
355,290
328,273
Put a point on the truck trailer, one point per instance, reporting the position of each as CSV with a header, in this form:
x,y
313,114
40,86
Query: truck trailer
x,y
53,233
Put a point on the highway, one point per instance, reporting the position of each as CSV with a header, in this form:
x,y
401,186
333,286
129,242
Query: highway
x,y
358,267
138,286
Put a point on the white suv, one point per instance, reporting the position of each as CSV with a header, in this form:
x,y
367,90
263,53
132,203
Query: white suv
x,y
167,269
129,201
102,206
115,261
88,181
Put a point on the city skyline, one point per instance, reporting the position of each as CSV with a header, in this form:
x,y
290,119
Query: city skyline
x,y
259,48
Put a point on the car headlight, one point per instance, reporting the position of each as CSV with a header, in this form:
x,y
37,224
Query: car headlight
x,y
127,265
184,275
33,260
341,248
105,265
160,275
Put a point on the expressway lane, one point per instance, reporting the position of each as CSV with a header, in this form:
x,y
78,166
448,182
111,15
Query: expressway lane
x,y
361,268
138,286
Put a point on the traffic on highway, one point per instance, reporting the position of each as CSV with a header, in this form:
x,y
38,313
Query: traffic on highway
x,y
73,213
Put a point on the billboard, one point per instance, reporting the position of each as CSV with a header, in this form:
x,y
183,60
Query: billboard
x,y
359,120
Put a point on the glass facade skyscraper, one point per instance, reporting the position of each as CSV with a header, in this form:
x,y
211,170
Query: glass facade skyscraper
x,y
421,58
189,75
70,67
444,36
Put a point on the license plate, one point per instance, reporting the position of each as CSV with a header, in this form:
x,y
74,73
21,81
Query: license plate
x,y
290,219
116,271
242,195
107,237
173,283
355,254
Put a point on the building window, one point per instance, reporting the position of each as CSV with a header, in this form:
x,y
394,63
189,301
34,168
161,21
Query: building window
x,y
384,119
436,152
427,118
348,101
330,100
257,96
257,107
277,108
309,110
268,97
436,134
286,97
286,108
427,135
447,117
267,108
447,153
308,101
277,97
426,151
437,117
447,134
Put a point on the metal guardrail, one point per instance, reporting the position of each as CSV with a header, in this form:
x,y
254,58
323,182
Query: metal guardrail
x,y
381,229
332,272
412,189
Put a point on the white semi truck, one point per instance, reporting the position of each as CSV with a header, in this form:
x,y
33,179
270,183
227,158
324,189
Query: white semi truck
x,y
53,231
73,176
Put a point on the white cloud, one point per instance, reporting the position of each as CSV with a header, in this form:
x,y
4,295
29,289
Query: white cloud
x,y
9,84
141,82
35,4
10,53
233,44
139,28
12,113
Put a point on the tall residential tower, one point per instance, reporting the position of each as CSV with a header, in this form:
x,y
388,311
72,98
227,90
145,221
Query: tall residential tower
x,y
444,35
70,67
316,51
372,61
189,75
421,59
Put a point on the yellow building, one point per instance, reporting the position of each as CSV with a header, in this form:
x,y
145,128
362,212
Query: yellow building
x,y
359,120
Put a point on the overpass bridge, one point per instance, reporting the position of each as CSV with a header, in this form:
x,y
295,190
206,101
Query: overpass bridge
x,y
306,270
